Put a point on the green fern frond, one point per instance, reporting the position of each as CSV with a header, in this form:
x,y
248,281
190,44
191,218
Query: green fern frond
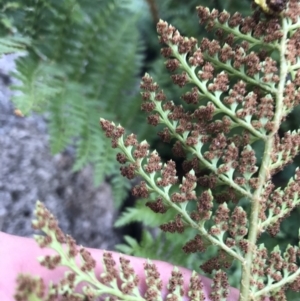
x,y
39,82
141,213
11,44
161,246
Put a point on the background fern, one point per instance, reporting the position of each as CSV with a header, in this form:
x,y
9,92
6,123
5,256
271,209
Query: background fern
x,y
154,244
82,63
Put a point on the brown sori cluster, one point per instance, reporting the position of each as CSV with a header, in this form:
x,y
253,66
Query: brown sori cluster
x,y
187,187
27,285
204,207
153,164
208,181
267,190
236,94
191,97
216,147
192,164
249,107
112,131
141,190
282,202
140,152
285,150
89,263
258,266
221,218
216,263
293,10
174,226
194,245
295,285
196,288
165,135
275,266
149,88
111,271
51,262
247,162
230,157
269,28
153,282
131,279
157,206
47,222
278,295
238,223
170,34
226,195
168,175
220,286
176,281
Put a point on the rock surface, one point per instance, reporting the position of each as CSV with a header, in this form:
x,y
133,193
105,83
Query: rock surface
x,y
28,172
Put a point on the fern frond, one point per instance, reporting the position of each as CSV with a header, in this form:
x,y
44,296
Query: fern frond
x,y
141,213
39,82
162,246
11,44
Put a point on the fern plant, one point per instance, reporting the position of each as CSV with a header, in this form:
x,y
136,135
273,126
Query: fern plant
x,y
244,84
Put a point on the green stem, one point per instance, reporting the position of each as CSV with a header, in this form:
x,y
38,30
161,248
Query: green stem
x,y
264,174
